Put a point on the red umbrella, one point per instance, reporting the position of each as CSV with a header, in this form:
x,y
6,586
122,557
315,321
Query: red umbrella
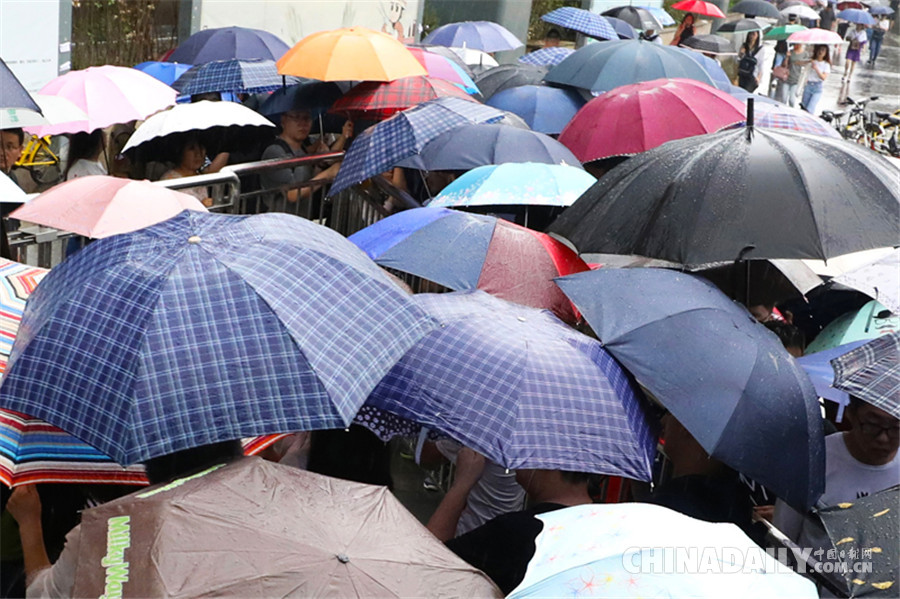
x,y
634,118
707,9
377,100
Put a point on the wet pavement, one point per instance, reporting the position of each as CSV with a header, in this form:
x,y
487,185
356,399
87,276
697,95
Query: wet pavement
x,y
883,80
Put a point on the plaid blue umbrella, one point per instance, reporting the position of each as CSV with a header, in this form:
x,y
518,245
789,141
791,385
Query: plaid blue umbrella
x,y
236,76
872,373
519,386
382,146
204,328
546,57
582,21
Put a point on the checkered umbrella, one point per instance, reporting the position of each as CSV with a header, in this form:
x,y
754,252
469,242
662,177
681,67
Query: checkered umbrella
x,y
380,100
382,146
582,21
780,116
872,373
546,57
236,76
204,328
519,386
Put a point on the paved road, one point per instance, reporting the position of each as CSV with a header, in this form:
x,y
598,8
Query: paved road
x,y
882,81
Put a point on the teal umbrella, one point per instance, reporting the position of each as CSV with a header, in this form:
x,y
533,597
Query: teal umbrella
x,y
783,32
869,322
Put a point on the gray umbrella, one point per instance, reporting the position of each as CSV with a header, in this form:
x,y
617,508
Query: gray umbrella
x,y
508,75
756,8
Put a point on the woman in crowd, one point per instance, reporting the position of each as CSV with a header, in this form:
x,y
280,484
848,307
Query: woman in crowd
x,y
820,67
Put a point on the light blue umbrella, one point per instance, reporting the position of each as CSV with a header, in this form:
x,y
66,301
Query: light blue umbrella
x,y
486,36
855,15
516,184
545,109
664,18
869,322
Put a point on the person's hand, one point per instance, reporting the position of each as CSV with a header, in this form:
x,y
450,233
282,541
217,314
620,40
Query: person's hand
x,y
320,147
764,512
25,505
469,467
347,130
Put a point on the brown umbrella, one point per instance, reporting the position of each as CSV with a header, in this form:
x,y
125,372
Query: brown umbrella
x,y
257,529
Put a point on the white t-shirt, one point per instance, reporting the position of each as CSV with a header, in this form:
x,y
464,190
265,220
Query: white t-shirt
x,y
823,66
83,168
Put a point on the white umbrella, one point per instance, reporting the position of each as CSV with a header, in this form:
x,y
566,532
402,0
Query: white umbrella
x,y
801,11
10,193
879,280
199,116
473,57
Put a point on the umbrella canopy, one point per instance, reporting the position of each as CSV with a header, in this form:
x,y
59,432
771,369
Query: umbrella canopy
x,y
603,67
711,44
350,54
521,387
782,32
236,76
582,21
528,183
486,36
621,550
871,372
707,9
546,57
815,36
634,118
857,529
167,72
206,328
881,10
506,76
12,93
781,116
743,95
226,43
247,538
312,95
742,25
756,8
801,11
380,100
639,18
10,192
57,110
449,54
441,67
623,28
879,280
868,322
846,5
723,375
545,109
712,67
384,145
199,116
855,15
661,15
463,251
475,59
818,367
108,95
717,205
468,146
99,206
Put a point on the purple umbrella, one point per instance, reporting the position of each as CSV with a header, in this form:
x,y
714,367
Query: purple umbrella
x,y
479,35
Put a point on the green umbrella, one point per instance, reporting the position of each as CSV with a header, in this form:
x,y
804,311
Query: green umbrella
x,y
783,32
869,322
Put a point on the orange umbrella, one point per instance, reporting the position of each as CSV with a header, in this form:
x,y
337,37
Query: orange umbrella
x,y
350,54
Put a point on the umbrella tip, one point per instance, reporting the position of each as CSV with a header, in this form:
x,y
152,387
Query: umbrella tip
x,y
342,558
749,118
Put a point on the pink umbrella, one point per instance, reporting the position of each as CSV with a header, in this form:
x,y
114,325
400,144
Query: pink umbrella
x,y
100,206
815,36
707,9
441,67
108,95
634,118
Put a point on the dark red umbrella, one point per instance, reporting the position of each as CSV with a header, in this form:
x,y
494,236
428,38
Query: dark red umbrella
x,y
379,100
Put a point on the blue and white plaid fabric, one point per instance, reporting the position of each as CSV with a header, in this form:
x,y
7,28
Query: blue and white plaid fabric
x,y
872,373
582,21
382,146
205,328
546,57
237,76
519,386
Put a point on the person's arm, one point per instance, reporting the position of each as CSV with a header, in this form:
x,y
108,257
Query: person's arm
x,y
469,468
25,506
217,163
822,74
346,133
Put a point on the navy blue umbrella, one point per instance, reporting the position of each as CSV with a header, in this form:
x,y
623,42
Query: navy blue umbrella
x,y
545,109
486,36
225,43
12,93
623,28
205,328
723,375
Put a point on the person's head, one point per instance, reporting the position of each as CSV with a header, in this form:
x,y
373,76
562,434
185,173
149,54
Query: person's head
x,y
552,38
792,18
791,337
762,311
781,47
85,146
11,142
874,435
860,26
191,154
798,48
168,467
543,485
209,96
820,52
752,40
296,124
688,19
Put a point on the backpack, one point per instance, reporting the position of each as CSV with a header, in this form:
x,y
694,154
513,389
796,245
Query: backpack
x,y
747,65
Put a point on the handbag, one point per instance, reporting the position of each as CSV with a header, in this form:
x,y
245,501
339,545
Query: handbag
x,y
781,72
854,44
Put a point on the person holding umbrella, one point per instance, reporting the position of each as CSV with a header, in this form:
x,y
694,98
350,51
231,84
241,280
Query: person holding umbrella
x,y
750,62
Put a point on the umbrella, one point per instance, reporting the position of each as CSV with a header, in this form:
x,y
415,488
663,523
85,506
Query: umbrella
x,y
865,539
603,67
468,146
464,251
528,183
707,9
486,36
815,36
521,387
441,67
476,59
623,28
711,44
879,280
634,118
57,109
108,95
546,57
868,322
450,55
712,67
226,43
855,15
717,206
350,54
211,117
235,76
262,529
10,192
167,72
380,100
781,116
743,95
12,93
506,76
205,328
723,375
639,18
644,550
312,95
660,14
384,145
871,372
545,109
818,367
846,5
782,32
742,25
881,10
801,12
756,8
99,206
582,21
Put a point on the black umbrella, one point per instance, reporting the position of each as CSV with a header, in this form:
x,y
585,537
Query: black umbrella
x,y
742,25
508,75
742,193
711,44
756,8
12,93
639,18
723,375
